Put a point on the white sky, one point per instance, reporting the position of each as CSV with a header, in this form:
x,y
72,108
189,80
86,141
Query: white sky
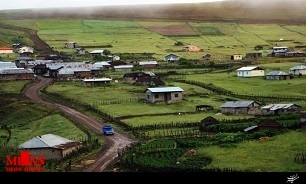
x,y
25,4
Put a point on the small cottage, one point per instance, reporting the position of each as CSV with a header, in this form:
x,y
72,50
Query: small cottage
x,y
206,122
278,109
270,124
164,94
250,71
241,107
277,75
172,58
70,45
50,145
236,57
298,70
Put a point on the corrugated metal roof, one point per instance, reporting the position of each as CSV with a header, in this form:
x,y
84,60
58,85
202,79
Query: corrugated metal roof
x,y
248,68
300,67
165,89
4,64
123,66
45,141
236,104
97,80
277,73
274,107
97,52
250,128
147,62
15,71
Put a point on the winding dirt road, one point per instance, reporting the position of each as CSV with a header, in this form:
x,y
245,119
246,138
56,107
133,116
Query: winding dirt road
x,y
114,143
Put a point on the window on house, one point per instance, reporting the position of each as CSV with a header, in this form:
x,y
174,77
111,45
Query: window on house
x,y
176,95
148,96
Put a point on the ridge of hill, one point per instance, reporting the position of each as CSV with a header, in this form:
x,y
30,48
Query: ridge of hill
x,y
240,11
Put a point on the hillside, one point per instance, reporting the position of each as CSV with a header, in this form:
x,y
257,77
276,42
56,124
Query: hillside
x,y
242,11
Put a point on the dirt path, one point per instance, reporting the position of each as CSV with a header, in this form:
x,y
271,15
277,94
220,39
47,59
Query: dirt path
x,y
114,143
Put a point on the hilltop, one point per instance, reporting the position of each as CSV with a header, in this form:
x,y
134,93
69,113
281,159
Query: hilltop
x,y
240,11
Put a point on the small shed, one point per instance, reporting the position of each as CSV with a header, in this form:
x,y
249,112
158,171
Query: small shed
x,y
236,57
206,122
70,45
164,94
270,124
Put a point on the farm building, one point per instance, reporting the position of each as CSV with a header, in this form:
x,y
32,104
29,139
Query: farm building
x,y
81,51
236,57
16,73
270,124
258,47
204,108
278,51
278,109
70,45
298,70
250,71
253,55
148,64
277,75
50,145
206,122
96,81
241,107
123,68
134,76
164,94
172,58
150,81
4,64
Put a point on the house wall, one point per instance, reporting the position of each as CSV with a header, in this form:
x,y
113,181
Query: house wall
x,y
49,153
278,77
243,73
245,110
256,73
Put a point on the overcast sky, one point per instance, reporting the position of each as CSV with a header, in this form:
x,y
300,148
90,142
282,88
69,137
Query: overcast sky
x,y
25,4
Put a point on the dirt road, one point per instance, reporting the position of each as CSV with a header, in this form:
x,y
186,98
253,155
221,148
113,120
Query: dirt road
x,y
114,143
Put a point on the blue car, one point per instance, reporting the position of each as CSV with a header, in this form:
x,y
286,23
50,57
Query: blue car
x,y
108,130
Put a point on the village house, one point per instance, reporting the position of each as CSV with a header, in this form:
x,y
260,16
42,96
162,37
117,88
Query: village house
x,y
50,145
148,64
269,124
250,56
96,82
298,70
16,73
206,122
278,51
277,75
150,81
237,57
26,51
164,94
250,71
132,77
71,45
171,58
127,68
278,109
241,107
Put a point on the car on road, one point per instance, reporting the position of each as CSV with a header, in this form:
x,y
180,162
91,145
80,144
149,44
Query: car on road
x,y
108,130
